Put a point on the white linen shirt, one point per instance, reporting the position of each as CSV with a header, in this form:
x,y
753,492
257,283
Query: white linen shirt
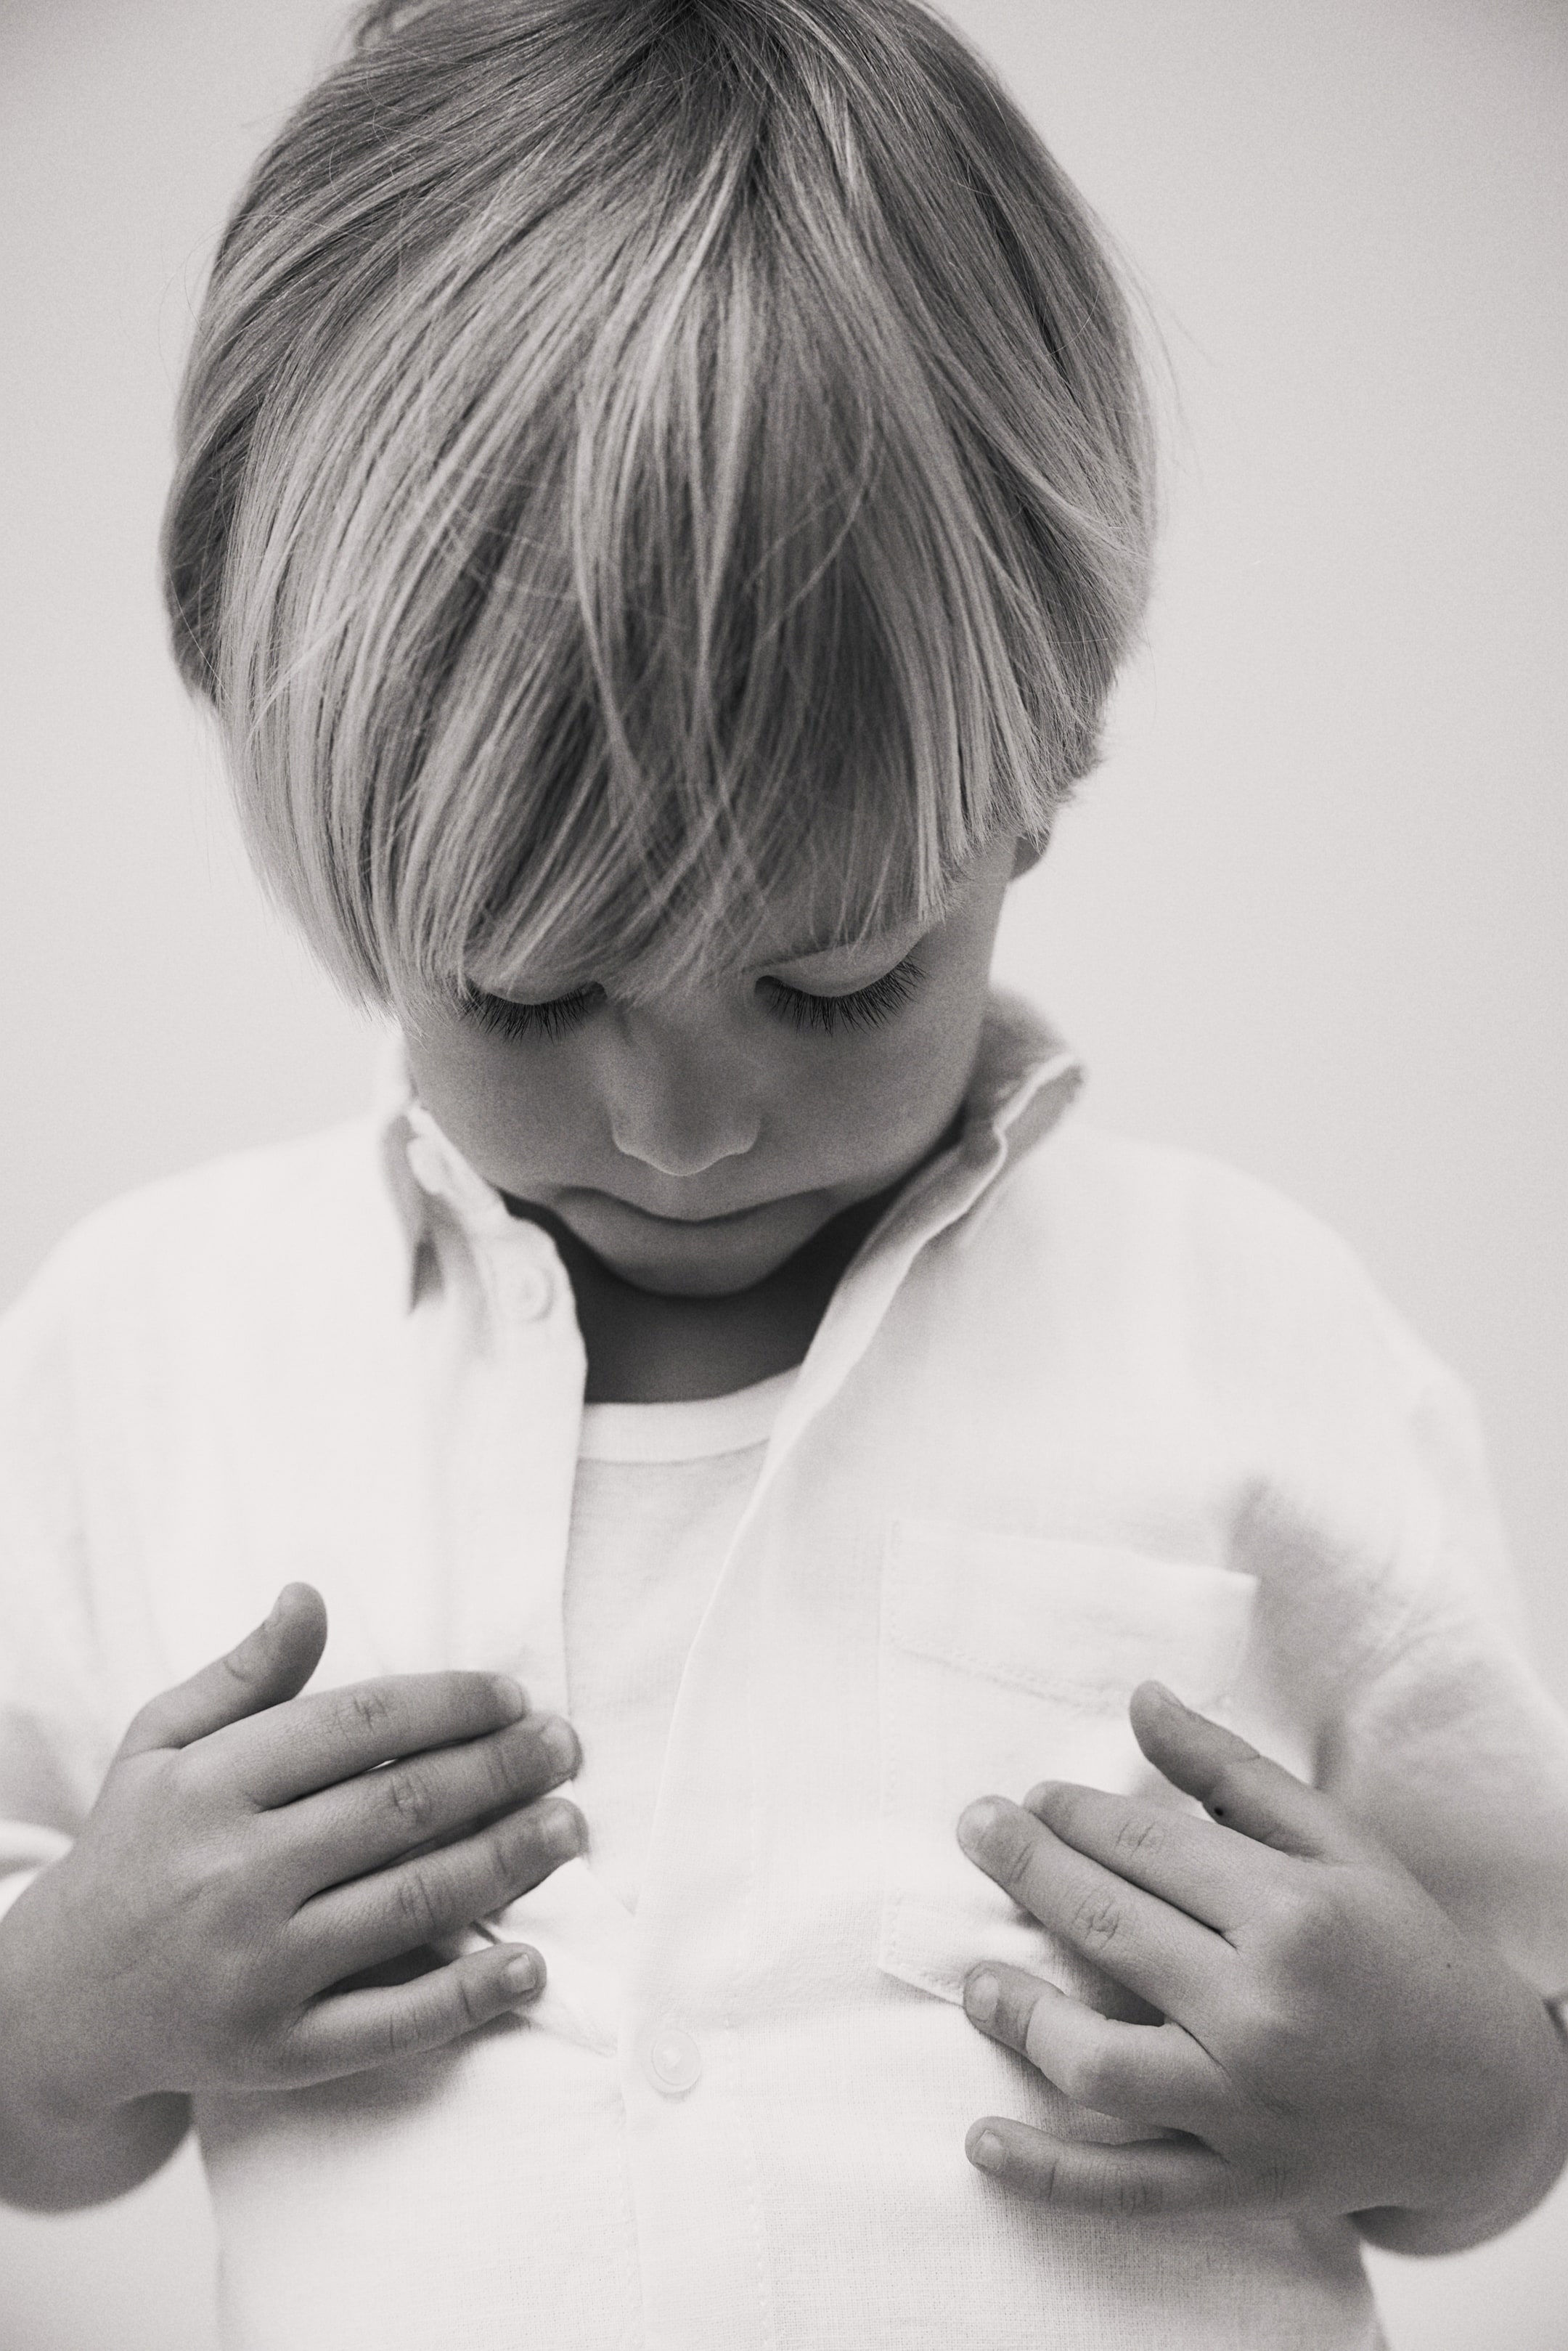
x,y
1078,1412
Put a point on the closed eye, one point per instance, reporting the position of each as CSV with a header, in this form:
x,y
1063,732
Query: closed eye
x,y
502,1016
863,1007
808,1015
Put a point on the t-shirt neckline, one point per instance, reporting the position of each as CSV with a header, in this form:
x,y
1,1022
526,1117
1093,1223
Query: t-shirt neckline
x,y
688,1430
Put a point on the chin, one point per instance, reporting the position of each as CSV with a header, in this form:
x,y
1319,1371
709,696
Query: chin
x,y
693,1261
677,1273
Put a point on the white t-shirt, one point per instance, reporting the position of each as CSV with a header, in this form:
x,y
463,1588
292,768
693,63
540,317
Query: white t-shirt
x,y
659,1492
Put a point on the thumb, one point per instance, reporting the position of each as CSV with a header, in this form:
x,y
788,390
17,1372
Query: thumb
x,y
271,1664
1239,1788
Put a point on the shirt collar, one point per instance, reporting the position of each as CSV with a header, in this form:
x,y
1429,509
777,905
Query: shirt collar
x,y
1024,1077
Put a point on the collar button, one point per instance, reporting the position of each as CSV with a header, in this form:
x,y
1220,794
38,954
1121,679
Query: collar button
x,y
529,1292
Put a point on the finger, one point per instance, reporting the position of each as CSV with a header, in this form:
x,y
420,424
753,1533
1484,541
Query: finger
x,y
1239,1788
1152,2074
1156,1951
271,1664
350,2031
1123,2183
393,1910
336,1734
1213,1874
364,1823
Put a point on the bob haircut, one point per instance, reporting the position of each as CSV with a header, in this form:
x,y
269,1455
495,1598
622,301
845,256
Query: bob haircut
x,y
638,456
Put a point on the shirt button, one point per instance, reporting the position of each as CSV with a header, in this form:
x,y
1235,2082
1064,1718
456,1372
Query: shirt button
x,y
673,2061
529,1292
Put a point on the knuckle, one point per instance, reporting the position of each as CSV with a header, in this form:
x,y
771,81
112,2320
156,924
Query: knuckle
x,y
1308,1914
1084,2074
1139,1837
503,1767
418,1904
1271,2049
1263,2176
366,1707
213,1879
1274,2182
1096,1920
277,2061
169,1784
511,1843
1300,1943
1127,2196
405,2028
265,2058
470,2007
405,1792
1009,1849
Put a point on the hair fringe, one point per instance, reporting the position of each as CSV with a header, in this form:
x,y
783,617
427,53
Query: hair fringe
x,y
641,457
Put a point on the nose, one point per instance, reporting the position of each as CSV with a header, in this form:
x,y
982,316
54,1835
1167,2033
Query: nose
x,y
679,1103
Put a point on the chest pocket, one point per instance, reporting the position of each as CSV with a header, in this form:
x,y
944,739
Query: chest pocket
x,y
1006,1659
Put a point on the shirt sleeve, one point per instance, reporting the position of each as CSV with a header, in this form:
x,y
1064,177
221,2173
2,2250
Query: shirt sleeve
x,y
1443,1738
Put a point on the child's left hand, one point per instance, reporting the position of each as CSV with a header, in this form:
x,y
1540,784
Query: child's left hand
x,y
1331,2042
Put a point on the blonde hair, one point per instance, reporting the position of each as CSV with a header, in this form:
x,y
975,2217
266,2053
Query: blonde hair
x,y
637,455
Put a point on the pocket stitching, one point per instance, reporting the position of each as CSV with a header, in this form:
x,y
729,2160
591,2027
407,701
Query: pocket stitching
x,y
1092,1696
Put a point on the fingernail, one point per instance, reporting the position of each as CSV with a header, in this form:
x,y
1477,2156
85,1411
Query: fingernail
x,y
562,1833
509,1695
986,2149
981,1995
559,1743
276,1616
524,1973
976,1820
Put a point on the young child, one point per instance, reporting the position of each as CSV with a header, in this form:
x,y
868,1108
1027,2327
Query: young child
x,y
664,489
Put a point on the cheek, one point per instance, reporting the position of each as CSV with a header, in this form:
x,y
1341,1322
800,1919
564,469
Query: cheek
x,y
510,1111
888,1093
546,1112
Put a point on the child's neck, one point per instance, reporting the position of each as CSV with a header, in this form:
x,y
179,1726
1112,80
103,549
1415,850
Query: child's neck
x,y
646,1349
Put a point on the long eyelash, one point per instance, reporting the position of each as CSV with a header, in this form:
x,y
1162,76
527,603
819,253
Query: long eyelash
x,y
500,1016
867,1008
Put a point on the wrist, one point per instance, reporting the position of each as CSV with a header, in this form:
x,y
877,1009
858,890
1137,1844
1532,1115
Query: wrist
x,y
54,2064
67,2139
1524,2162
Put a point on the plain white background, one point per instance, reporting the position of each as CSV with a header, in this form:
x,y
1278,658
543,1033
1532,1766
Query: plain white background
x,y
1308,918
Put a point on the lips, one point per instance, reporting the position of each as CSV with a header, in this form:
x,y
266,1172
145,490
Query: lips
x,y
683,1223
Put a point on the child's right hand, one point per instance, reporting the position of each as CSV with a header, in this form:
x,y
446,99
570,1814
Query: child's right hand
x,y
245,1854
